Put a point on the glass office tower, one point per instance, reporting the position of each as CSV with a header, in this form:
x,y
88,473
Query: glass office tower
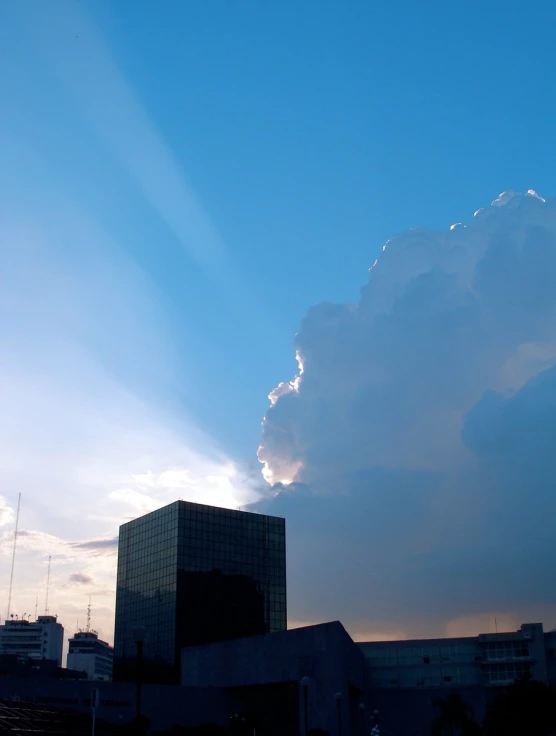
x,y
193,574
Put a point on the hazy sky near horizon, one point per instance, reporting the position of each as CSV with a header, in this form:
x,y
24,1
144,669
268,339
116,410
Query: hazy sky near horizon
x,y
180,183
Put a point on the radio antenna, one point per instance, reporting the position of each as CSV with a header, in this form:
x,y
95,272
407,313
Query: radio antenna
x,y
47,586
13,555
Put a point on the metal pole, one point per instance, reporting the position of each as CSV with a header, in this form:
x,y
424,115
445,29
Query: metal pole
x,y
139,683
305,710
339,703
94,703
13,556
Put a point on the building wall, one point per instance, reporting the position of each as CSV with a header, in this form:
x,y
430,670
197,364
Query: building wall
x,y
89,654
325,654
96,666
424,663
509,656
192,574
406,677
82,663
488,659
550,653
40,639
146,584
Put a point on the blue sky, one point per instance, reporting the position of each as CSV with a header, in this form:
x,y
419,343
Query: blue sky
x,y
181,181
310,132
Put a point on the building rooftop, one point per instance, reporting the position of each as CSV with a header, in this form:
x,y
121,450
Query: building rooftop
x,y
200,506
30,718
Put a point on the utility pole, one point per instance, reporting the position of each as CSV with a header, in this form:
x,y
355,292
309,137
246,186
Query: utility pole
x,y
13,556
94,706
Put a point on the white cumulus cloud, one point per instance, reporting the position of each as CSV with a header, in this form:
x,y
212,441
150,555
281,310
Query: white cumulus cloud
x,y
413,455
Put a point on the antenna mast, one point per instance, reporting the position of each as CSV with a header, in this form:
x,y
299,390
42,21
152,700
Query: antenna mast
x,y
47,586
88,629
36,606
13,555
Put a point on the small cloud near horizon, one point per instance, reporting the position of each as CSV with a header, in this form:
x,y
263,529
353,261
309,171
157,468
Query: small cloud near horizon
x,y
80,578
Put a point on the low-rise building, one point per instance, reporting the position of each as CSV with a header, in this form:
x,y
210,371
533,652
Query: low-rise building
x,y
309,678
87,653
40,639
488,659
289,681
405,679
14,665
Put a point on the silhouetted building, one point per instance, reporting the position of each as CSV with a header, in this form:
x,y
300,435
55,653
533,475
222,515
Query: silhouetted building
x,y
89,654
191,575
15,665
289,682
488,659
405,678
40,639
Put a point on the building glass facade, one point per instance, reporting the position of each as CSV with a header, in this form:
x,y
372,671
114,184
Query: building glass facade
x,y
194,574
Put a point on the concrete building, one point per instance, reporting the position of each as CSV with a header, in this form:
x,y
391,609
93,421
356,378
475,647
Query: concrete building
x,y
192,574
405,677
310,677
40,639
87,653
314,677
488,660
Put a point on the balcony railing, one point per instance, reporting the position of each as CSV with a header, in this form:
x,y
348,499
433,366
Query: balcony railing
x,y
486,659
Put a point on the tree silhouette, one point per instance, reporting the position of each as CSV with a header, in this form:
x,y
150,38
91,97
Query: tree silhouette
x,y
526,707
455,718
